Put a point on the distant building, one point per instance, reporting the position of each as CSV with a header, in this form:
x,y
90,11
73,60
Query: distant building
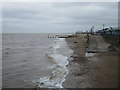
x,y
110,31
113,31
78,32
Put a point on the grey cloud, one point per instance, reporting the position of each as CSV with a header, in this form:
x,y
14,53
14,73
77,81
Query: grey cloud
x,y
63,17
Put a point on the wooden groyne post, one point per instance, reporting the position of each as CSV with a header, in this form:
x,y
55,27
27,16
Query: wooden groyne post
x,y
52,36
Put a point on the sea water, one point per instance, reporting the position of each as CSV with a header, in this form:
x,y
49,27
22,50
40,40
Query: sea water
x,y
34,60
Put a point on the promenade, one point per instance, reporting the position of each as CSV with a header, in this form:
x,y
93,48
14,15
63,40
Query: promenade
x,y
96,43
97,71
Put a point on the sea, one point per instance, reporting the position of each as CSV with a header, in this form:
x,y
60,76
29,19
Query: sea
x,y
34,60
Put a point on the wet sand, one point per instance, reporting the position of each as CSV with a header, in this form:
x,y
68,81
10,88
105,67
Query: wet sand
x,y
98,71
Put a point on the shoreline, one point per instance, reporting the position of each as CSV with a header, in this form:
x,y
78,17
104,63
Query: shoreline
x,y
98,71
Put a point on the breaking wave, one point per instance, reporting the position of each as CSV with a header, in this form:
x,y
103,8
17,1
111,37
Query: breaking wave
x,y
59,58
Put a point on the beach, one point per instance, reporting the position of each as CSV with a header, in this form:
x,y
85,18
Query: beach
x,y
97,71
34,60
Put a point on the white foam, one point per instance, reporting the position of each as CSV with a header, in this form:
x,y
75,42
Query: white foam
x,y
55,80
53,66
59,61
58,43
89,54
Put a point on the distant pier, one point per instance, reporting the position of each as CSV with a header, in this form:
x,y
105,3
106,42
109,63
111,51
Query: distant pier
x,y
61,36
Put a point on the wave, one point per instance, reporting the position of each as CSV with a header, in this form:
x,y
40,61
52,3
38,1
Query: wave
x,y
59,61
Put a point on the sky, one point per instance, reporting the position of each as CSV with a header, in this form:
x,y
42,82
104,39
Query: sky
x,y
57,17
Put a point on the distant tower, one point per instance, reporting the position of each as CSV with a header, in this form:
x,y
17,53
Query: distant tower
x,y
92,28
103,26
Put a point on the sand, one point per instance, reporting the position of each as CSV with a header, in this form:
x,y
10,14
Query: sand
x,y
98,71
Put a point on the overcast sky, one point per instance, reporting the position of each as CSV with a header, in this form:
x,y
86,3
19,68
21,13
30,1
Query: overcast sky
x,y
51,17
